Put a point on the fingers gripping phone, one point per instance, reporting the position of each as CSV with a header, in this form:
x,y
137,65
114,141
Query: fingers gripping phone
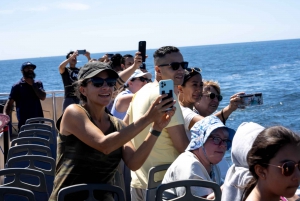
x,y
251,99
81,51
166,87
142,50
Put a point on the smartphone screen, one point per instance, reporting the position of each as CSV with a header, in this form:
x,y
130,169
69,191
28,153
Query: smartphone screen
x,y
142,50
81,51
251,99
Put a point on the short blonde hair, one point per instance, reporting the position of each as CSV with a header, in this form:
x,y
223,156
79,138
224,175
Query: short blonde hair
x,y
211,83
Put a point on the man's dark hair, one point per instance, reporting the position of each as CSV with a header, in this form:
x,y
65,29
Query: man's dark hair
x,y
161,52
124,57
116,61
68,55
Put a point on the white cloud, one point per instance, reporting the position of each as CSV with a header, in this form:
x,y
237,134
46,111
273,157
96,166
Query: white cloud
x,y
73,6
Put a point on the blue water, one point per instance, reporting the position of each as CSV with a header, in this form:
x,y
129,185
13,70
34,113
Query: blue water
x,y
270,67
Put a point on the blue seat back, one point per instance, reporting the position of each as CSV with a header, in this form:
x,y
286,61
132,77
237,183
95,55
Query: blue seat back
x,y
16,194
29,149
30,140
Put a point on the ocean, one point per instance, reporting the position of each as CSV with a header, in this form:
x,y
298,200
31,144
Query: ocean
x,y
270,67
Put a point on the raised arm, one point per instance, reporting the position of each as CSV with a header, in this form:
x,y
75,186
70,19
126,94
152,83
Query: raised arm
x,y
134,159
178,137
235,100
63,64
125,74
88,55
76,122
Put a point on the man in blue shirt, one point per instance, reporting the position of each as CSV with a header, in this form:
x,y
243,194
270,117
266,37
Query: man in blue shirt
x,y
27,94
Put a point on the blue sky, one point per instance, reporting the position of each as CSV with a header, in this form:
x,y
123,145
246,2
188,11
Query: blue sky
x,y
38,28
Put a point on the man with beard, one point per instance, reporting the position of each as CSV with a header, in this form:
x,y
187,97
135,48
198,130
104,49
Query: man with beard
x,y
27,94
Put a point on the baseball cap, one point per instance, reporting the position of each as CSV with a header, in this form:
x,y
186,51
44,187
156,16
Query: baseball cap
x,y
26,64
202,130
93,68
138,73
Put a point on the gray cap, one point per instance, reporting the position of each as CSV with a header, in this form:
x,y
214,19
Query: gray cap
x,y
93,68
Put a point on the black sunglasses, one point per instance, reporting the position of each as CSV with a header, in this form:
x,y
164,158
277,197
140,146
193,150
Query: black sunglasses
x,y
176,65
142,79
219,141
213,95
191,70
98,82
287,168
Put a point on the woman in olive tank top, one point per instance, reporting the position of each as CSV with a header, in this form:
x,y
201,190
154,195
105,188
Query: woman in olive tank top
x,y
91,142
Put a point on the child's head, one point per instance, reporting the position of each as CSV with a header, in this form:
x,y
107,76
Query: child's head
x,y
273,161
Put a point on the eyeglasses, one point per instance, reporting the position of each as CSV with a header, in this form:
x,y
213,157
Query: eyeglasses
x,y
219,141
142,79
176,65
213,95
98,82
287,168
191,70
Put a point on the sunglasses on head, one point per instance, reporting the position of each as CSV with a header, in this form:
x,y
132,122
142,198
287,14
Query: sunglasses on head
x,y
176,65
98,82
287,168
142,79
219,141
191,70
213,95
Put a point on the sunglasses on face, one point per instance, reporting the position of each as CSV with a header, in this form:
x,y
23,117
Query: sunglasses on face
x,y
287,168
219,141
213,95
142,79
176,65
191,70
98,82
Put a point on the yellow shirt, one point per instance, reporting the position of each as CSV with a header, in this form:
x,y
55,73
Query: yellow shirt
x,y
163,151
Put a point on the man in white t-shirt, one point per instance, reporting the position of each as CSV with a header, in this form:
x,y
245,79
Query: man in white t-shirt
x,y
169,64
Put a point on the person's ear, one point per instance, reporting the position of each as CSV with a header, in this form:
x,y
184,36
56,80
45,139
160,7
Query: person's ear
x,y
261,172
180,88
82,90
123,66
158,71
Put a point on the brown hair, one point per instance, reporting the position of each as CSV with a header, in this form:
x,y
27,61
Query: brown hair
x,y
211,83
264,148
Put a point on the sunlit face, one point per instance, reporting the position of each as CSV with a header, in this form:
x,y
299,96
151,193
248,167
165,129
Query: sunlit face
x,y
214,152
285,185
205,105
136,84
128,62
166,72
192,91
98,95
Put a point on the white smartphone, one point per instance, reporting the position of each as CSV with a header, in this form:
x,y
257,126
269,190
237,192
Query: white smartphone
x,y
166,87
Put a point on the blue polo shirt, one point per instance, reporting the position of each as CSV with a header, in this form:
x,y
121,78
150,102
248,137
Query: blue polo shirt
x,y
28,105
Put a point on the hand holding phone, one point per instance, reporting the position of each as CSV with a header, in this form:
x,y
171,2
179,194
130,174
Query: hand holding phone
x,y
81,52
251,100
110,55
142,50
166,87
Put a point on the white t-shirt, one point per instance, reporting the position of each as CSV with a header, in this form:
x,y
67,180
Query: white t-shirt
x,y
187,166
188,115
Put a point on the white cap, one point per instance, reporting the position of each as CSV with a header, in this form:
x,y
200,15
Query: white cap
x,y
138,73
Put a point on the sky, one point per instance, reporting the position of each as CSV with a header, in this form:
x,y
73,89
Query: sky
x,y
39,28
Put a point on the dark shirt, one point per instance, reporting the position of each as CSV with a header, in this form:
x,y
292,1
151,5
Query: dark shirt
x,y
28,104
69,76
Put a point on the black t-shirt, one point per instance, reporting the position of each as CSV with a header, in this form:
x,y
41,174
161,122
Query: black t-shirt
x,y
69,77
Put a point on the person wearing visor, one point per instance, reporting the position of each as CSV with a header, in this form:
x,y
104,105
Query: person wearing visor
x,y
211,98
27,94
136,81
92,142
209,141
